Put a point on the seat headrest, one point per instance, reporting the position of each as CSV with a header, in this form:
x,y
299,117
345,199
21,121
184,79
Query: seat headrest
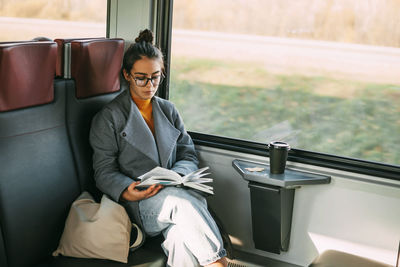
x,y
27,72
61,42
96,65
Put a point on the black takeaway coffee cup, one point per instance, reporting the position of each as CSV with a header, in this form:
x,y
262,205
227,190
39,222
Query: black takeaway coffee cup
x,y
278,153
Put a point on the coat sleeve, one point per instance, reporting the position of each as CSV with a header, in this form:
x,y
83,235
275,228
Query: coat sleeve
x,y
103,139
186,157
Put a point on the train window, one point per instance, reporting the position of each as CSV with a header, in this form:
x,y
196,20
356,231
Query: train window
x,y
321,75
28,19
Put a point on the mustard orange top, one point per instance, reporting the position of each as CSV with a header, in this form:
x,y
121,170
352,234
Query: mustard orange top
x,y
146,109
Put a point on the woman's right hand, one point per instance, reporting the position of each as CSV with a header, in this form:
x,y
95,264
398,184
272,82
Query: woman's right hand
x,y
133,194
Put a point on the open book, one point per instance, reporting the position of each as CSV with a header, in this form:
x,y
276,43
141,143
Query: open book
x,y
195,180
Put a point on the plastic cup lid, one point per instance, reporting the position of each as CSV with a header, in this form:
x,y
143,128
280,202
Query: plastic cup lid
x,y
279,145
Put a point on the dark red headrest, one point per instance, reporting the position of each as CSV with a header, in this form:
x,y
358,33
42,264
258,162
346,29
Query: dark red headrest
x,y
96,65
27,72
61,51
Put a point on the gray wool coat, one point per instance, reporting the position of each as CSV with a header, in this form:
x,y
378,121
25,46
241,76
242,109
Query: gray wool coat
x,y
124,147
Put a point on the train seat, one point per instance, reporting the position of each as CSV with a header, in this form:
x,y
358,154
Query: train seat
x,y
95,67
37,174
45,159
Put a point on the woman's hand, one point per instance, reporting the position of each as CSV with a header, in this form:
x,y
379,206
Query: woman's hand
x,y
133,194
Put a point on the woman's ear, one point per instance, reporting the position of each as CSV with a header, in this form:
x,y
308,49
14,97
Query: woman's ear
x,y
126,75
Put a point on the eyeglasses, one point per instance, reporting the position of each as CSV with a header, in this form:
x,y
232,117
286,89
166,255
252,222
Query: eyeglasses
x,y
142,81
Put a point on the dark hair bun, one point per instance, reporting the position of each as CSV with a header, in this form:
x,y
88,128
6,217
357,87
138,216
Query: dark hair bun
x,y
145,36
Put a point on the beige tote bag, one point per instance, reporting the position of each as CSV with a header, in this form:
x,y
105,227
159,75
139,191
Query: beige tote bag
x,y
97,230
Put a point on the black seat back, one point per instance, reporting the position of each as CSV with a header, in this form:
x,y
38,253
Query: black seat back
x,y
38,179
95,67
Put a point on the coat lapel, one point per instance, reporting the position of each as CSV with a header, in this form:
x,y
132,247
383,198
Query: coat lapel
x,y
137,133
166,134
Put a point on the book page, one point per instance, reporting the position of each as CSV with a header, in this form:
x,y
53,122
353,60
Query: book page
x,y
201,187
166,177
159,172
157,180
195,175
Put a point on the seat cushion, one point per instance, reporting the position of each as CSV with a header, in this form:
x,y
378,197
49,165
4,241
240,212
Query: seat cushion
x,y
333,258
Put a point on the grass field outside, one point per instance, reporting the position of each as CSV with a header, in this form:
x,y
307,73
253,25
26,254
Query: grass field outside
x,y
345,104
322,114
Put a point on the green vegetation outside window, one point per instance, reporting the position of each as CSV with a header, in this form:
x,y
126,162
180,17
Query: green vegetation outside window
x,y
321,75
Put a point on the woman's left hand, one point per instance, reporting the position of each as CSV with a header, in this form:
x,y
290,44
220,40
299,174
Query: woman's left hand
x,y
133,194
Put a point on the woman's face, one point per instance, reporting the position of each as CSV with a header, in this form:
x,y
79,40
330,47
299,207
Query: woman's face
x,y
144,78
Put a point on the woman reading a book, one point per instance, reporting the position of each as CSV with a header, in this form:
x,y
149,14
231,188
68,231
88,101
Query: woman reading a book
x,y
137,132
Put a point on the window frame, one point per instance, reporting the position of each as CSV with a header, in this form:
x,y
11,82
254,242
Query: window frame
x,y
163,40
